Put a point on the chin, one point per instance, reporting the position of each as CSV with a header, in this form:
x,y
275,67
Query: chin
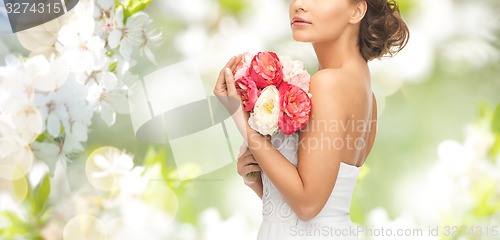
x,y
302,37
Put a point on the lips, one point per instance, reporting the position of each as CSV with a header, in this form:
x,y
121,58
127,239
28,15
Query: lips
x,y
298,21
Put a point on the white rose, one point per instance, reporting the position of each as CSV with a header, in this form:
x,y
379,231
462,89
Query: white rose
x,y
266,111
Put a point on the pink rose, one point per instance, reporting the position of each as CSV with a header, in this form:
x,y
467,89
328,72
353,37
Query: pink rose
x,y
248,91
242,69
295,107
294,73
265,69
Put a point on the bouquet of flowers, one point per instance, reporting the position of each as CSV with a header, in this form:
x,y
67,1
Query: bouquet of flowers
x,y
275,90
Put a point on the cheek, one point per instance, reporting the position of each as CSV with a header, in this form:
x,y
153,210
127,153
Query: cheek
x,y
332,20
334,16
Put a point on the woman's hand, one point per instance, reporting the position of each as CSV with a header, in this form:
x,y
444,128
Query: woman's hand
x,y
225,90
247,164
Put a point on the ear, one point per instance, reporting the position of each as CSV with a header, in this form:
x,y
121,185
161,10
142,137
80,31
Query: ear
x,y
358,13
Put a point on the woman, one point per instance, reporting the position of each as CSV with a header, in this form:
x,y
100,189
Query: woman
x,y
306,179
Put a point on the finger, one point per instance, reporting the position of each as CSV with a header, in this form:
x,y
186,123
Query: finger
x,y
231,61
231,87
249,161
252,161
249,154
245,154
250,158
245,160
236,62
219,85
252,168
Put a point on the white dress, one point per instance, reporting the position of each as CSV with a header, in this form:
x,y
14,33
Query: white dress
x,y
333,222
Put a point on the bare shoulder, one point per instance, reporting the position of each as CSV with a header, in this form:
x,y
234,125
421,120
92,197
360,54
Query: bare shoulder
x,y
335,84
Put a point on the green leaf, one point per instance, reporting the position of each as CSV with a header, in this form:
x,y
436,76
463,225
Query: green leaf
x,y
485,110
495,124
235,7
153,157
495,149
364,172
41,137
62,130
495,128
485,193
15,225
40,195
11,217
45,216
110,53
112,66
406,6
46,152
130,7
138,5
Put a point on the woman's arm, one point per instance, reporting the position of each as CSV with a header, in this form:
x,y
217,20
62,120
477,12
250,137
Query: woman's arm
x,y
225,90
307,187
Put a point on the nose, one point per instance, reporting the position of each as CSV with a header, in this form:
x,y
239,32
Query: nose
x,y
298,5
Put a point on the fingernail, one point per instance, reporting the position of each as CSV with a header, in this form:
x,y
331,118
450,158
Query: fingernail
x,y
228,71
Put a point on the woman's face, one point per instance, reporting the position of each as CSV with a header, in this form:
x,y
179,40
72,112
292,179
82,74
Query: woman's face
x,y
319,20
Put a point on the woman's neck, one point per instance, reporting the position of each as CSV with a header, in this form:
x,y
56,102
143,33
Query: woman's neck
x,y
335,53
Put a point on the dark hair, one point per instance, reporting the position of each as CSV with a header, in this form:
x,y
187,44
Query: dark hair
x,y
382,30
